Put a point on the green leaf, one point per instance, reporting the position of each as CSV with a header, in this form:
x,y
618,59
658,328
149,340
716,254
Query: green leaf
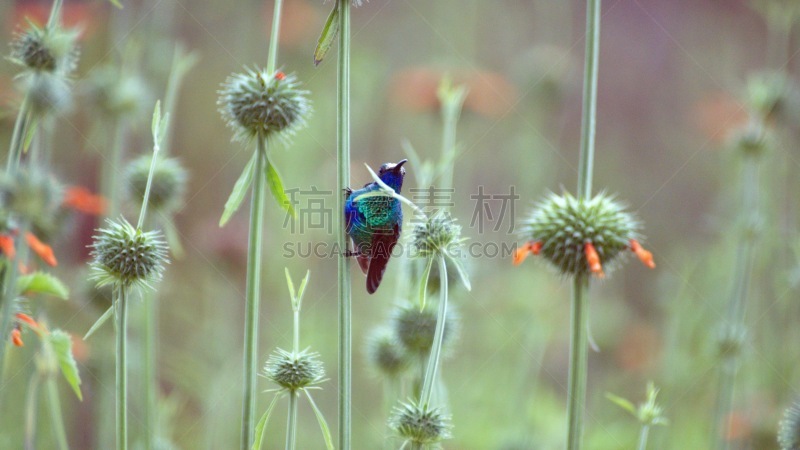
x,y
276,187
62,345
173,239
42,283
329,32
155,126
290,284
258,438
461,272
116,3
423,286
622,403
30,132
99,322
323,426
302,289
239,191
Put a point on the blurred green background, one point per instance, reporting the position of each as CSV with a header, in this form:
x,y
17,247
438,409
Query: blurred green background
x,y
672,76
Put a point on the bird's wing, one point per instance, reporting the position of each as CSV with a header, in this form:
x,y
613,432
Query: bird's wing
x,y
381,250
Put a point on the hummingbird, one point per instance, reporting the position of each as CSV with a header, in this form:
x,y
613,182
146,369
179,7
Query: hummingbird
x,y
373,223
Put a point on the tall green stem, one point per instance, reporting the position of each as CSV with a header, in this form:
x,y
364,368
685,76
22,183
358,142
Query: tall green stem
x,y
735,315
343,182
272,57
21,125
438,337
291,424
578,362
121,303
149,359
57,420
253,296
589,118
31,410
643,437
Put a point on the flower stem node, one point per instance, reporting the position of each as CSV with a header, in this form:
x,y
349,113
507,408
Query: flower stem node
x,y
789,428
268,104
125,256
420,424
581,237
168,187
294,370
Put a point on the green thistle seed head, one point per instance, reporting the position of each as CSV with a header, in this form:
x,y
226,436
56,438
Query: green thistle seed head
x,y
125,256
48,93
46,50
437,234
32,197
420,425
269,104
118,93
292,371
789,428
168,187
415,328
386,354
564,225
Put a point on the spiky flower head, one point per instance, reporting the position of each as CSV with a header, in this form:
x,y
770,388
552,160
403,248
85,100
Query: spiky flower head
x,y
117,93
415,327
48,49
421,424
259,103
437,234
789,428
386,354
294,370
125,256
32,197
169,182
581,237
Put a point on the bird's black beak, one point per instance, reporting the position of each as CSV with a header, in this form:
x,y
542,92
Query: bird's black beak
x,y
399,164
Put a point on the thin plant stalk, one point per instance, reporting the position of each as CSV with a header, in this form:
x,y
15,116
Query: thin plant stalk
x,y
438,337
149,359
253,296
121,304
343,182
56,418
272,56
31,410
21,125
576,396
735,314
645,431
11,274
291,426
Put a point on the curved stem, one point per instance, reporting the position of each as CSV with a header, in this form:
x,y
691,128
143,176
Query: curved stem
x,y
589,117
578,363
31,409
291,425
438,337
121,303
273,39
253,296
55,414
643,437
18,135
343,181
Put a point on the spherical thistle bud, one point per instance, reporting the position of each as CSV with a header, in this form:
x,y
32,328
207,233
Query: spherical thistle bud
x,y
118,93
437,234
386,354
416,328
259,103
48,94
421,425
168,186
580,237
292,371
32,197
125,256
46,50
789,428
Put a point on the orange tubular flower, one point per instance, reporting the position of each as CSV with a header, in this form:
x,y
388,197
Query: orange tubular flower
x,y
593,259
43,250
16,337
81,199
7,246
521,253
644,256
280,76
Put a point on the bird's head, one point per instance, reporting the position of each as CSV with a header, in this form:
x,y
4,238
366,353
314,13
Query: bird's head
x,y
392,174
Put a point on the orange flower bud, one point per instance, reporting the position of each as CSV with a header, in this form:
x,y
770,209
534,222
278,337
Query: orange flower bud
x,y
7,246
280,76
43,250
529,247
81,199
644,256
593,259
16,337
22,317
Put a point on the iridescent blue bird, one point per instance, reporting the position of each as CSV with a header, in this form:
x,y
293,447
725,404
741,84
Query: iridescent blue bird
x,y
373,223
